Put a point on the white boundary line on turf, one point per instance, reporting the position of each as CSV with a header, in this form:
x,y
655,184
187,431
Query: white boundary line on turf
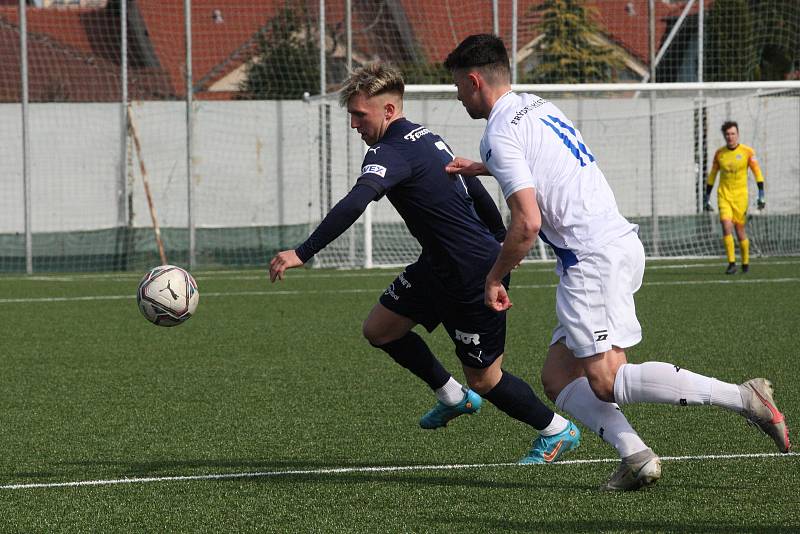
x,y
537,266
24,300
345,470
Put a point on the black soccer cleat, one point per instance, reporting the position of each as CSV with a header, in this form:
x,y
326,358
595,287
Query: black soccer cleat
x,y
745,268
731,268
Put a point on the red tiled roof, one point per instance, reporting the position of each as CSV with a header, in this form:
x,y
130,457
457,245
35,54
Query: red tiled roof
x,y
212,42
66,26
89,37
72,56
439,29
59,73
217,47
631,30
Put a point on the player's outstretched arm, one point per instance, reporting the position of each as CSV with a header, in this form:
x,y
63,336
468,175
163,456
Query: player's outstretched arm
x,y
466,167
281,262
339,219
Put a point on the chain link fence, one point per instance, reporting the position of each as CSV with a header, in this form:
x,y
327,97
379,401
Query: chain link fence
x,y
118,117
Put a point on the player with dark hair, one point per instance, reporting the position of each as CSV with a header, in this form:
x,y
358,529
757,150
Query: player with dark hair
x,y
555,190
732,162
460,229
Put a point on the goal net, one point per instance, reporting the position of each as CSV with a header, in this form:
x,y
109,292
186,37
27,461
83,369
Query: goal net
x,y
131,127
655,144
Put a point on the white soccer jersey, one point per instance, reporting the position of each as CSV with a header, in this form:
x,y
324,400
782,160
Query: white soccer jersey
x,y
528,142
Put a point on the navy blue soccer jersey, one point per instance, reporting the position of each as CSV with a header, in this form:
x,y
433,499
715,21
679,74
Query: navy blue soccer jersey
x,y
407,166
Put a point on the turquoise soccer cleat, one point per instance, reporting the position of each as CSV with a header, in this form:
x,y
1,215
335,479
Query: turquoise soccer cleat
x,y
548,449
441,414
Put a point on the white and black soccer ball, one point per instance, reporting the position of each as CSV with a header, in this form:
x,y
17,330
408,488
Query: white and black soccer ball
x,y
167,295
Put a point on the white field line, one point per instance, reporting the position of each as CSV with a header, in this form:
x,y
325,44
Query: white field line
x,y
537,266
25,300
380,469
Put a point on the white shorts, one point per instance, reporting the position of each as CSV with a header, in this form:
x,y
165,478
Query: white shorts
x,y
594,299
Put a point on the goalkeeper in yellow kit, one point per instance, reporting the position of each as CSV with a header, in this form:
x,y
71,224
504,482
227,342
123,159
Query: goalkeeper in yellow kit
x,y
732,161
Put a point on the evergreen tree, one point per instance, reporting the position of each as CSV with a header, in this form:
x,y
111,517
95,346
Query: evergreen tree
x,y
567,52
777,29
731,53
287,62
752,40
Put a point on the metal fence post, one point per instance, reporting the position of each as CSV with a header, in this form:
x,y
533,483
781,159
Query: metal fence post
x,y
189,128
26,147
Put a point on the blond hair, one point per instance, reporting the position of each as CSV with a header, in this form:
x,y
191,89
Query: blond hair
x,y
372,79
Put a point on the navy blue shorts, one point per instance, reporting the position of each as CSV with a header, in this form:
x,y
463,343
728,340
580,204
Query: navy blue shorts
x,y
478,333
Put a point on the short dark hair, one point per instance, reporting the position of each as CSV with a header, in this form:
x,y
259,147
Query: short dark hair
x,y
729,124
483,50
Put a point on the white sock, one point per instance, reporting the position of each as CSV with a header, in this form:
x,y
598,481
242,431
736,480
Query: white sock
x,y
451,393
665,383
604,418
556,426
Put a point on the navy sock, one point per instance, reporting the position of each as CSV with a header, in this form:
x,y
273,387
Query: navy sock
x,y
413,353
516,398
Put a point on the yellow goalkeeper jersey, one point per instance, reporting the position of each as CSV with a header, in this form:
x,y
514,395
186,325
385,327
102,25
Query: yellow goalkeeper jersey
x,y
732,167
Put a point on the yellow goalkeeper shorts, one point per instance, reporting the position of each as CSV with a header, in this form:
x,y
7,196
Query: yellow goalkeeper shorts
x,y
732,207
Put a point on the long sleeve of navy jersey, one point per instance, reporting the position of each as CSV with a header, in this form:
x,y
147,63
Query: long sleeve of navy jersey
x,y
486,208
339,219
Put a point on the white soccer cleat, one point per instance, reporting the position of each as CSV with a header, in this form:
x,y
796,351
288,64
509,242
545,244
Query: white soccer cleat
x,y
639,470
760,410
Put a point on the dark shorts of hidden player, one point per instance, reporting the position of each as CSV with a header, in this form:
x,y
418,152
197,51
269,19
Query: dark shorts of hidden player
x,y
478,333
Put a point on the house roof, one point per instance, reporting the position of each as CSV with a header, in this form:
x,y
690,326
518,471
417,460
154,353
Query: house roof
x,y
70,46
215,41
625,22
72,56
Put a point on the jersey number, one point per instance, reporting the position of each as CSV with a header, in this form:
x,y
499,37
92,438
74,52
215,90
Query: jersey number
x,y
442,146
569,137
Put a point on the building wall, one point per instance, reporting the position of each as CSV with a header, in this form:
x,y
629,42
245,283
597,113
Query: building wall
x,y
257,163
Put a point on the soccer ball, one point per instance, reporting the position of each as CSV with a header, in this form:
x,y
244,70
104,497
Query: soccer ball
x,y
167,295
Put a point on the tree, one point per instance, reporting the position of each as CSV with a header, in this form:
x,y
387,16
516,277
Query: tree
x,y
731,53
752,40
569,51
777,27
287,62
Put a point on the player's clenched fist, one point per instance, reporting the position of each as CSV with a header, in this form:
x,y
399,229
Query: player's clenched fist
x,y
496,296
283,260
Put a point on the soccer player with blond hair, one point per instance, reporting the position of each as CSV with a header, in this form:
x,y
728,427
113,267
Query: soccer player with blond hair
x,y
731,162
459,228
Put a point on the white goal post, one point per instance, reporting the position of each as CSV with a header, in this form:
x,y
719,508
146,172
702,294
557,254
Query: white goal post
x,y
654,142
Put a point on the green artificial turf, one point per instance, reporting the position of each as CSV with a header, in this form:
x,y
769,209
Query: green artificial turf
x,y
273,387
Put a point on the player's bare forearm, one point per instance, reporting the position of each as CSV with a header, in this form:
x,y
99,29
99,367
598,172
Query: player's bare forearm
x,y
526,219
466,167
515,247
514,250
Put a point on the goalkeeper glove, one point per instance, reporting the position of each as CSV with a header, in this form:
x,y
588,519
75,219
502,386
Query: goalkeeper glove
x,y
761,203
706,203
